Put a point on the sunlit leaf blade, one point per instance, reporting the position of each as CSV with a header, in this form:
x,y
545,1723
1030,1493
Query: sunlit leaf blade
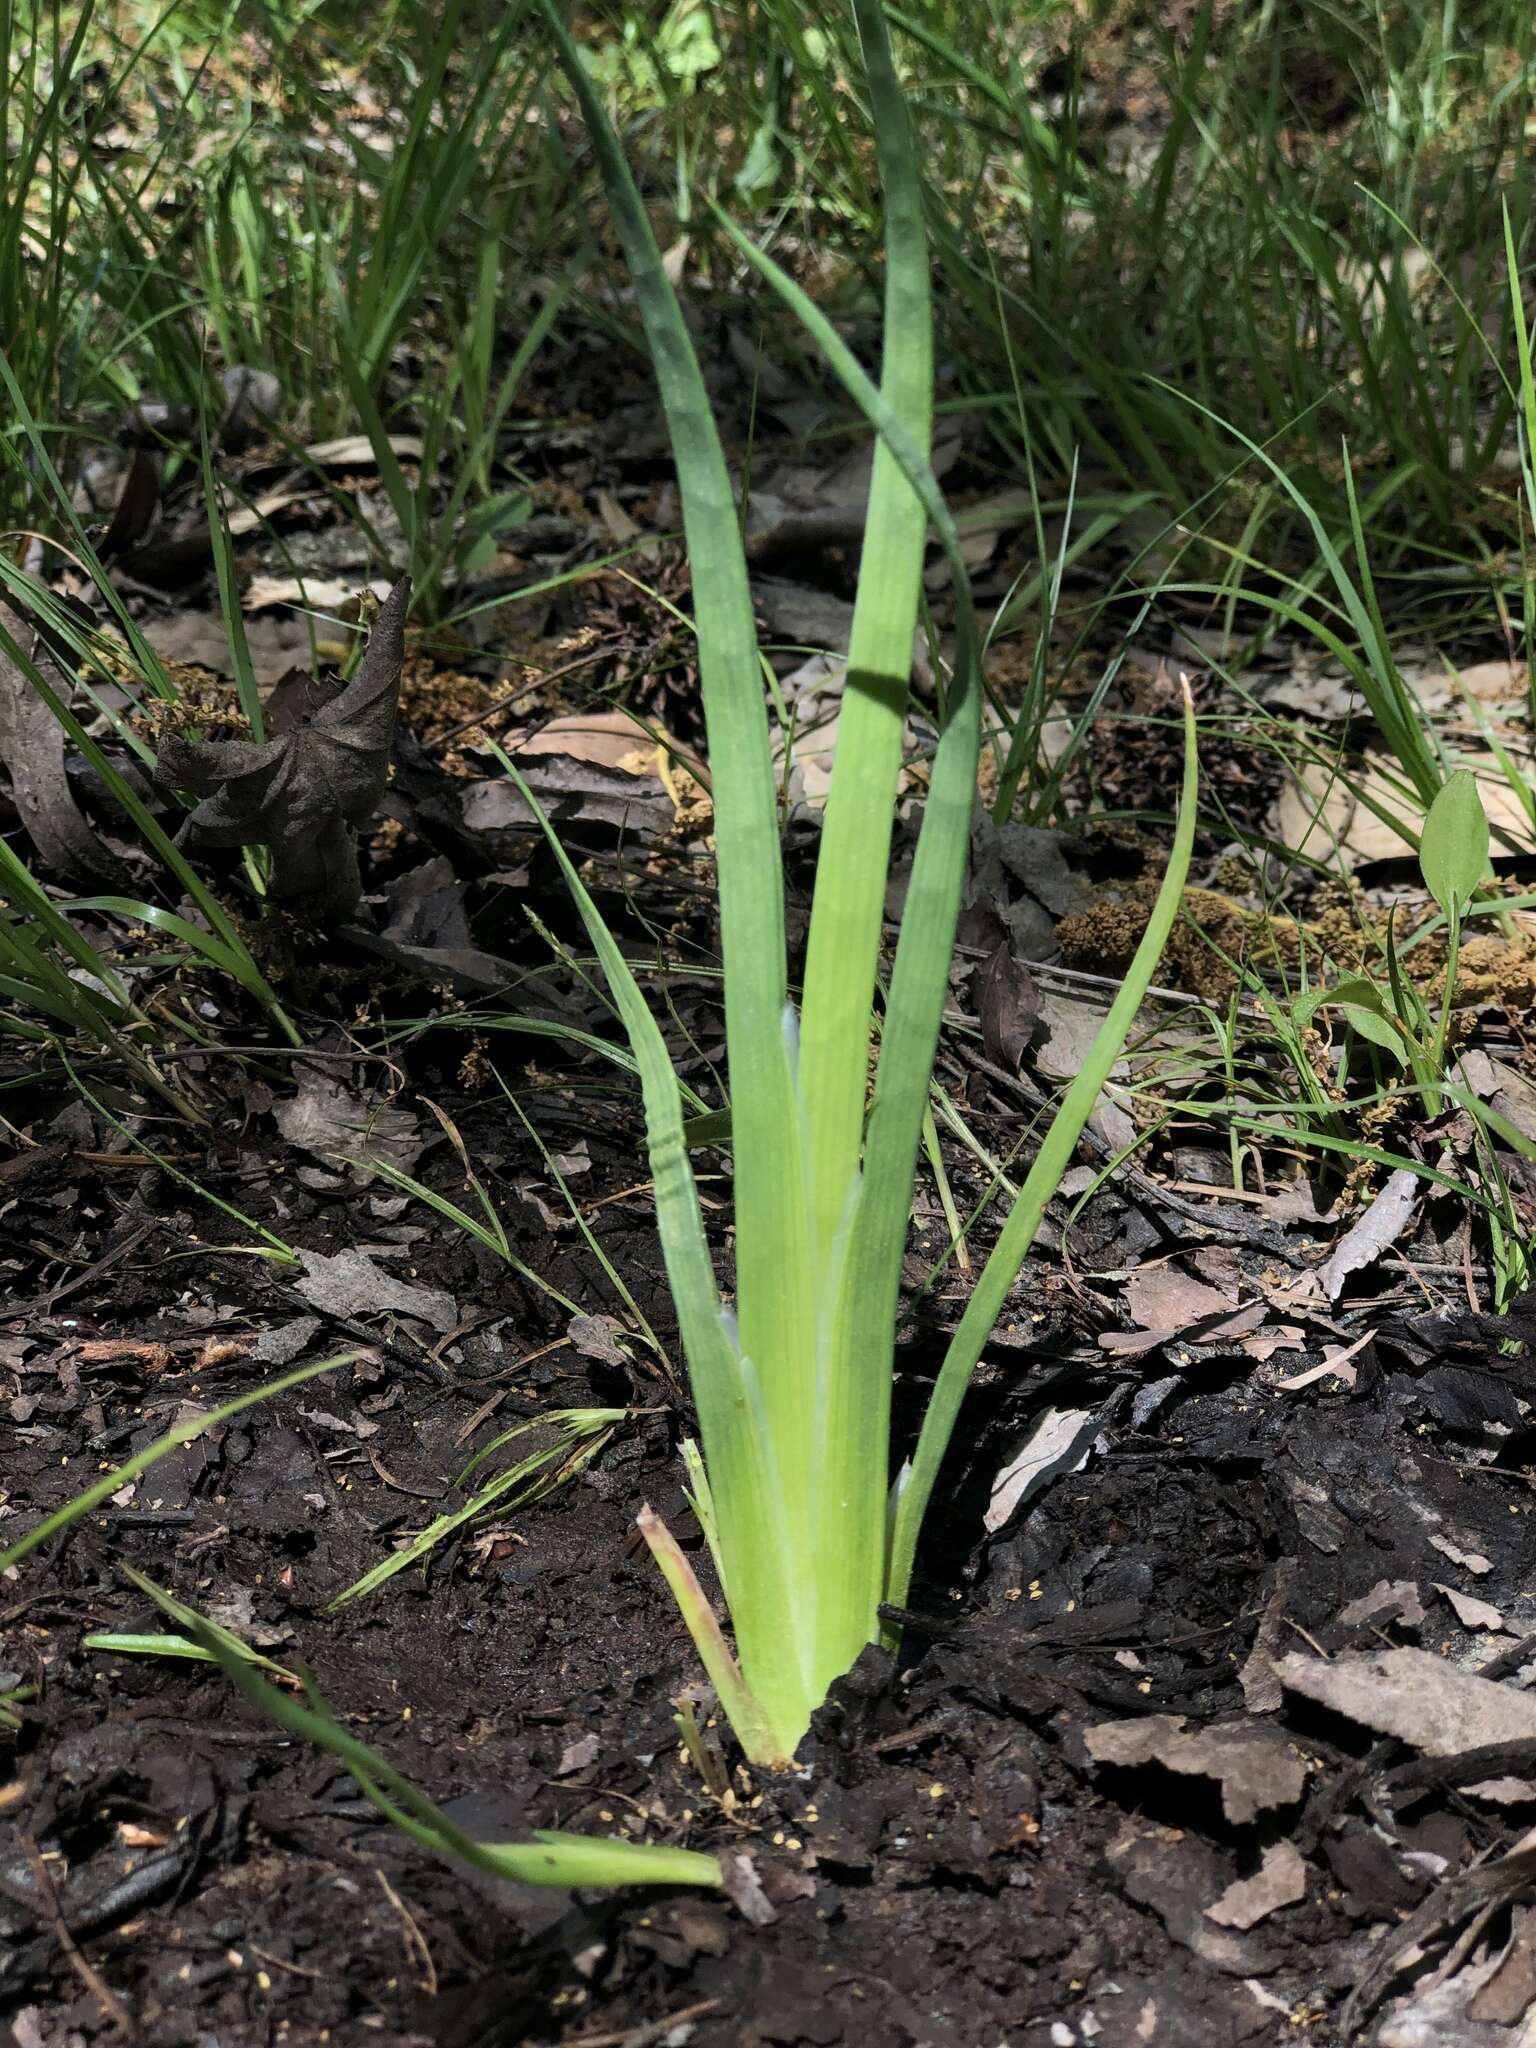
x,y
1051,1162
848,914
551,1858
774,1277
582,1434
1453,846
751,1516
857,1334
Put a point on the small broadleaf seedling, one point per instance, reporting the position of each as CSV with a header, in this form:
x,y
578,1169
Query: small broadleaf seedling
x,y
1453,858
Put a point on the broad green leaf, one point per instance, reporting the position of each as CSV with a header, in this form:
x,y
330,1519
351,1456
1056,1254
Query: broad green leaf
x,y
1373,1025
1453,847
1363,1007
848,912
862,1275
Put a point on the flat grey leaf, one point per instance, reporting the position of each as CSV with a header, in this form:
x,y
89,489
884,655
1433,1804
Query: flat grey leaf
x,y
1470,1611
1471,1561
350,1284
572,792
1280,1880
1369,1236
1060,1442
326,1117
1389,1602
1422,1700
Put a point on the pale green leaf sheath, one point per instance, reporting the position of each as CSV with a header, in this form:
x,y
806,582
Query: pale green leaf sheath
x,y
857,1333
847,920
774,1316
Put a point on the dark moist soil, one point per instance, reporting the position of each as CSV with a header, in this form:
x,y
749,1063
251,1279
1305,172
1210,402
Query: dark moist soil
x,y
949,1868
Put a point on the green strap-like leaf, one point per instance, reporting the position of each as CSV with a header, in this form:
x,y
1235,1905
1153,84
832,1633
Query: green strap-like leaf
x,y
856,1338
751,1512
848,913
1052,1161
774,1276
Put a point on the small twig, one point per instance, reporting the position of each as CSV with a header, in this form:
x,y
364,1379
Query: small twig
x,y
415,1940
908,1738
389,1479
1052,970
495,712
48,1898
651,2032
1466,1767
1504,1665
43,1304
1473,1302
264,1955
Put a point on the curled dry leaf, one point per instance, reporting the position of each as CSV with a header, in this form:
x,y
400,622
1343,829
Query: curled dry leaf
x,y
1422,1700
1372,1232
1008,1004
32,749
304,793
1254,1765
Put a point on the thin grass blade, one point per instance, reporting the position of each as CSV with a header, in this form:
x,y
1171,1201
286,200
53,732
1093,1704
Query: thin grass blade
x,y
1052,1161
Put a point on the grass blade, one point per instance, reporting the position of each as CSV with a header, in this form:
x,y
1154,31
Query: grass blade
x,y
183,1433
853,1417
751,1514
551,1858
774,1278
1051,1162
847,918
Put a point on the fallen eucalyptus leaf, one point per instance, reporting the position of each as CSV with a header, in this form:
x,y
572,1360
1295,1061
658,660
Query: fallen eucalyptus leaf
x,y
1254,1765
1280,1880
1422,1700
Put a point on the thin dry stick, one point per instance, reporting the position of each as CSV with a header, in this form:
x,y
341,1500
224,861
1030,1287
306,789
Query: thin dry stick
x,y
415,1940
48,1899
653,2031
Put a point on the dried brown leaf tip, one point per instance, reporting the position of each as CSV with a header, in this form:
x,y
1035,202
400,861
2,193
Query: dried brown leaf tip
x,y
305,792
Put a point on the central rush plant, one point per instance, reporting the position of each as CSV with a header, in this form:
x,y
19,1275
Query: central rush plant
x,y
792,1382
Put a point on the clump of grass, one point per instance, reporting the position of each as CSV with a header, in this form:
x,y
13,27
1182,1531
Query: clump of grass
x,y
1347,167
